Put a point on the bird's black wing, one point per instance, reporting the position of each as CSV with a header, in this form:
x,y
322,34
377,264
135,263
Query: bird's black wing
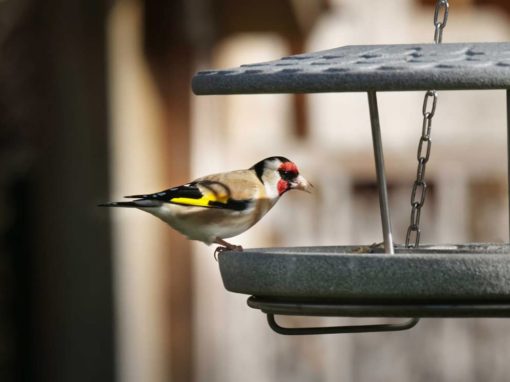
x,y
205,193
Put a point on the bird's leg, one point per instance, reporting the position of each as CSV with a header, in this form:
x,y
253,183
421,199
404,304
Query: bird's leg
x,y
225,247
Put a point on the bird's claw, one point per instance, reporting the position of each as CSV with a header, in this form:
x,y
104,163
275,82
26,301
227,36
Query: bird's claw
x,y
218,250
225,248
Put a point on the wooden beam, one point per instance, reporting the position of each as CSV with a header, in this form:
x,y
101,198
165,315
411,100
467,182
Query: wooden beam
x,y
170,56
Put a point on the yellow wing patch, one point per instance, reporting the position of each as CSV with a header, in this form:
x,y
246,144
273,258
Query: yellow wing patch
x,y
213,192
202,202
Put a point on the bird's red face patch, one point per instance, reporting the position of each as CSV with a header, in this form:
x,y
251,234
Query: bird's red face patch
x,y
282,186
288,172
289,167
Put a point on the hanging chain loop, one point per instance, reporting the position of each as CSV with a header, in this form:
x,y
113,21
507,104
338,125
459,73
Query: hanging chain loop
x,y
442,8
419,192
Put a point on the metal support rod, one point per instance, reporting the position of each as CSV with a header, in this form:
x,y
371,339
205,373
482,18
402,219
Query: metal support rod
x,y
340,329
379,168
508,150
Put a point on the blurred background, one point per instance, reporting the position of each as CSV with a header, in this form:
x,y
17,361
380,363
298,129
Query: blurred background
x,y
95,103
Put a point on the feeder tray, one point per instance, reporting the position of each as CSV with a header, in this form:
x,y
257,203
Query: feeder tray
x,y
471,280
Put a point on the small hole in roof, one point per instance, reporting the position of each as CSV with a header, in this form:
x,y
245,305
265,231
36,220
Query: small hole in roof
x,y
416,54
225,72
253,71
296,57
206,72
445,66
504,64
335,70
320,63
389,67
251,65
370,55
470,52
331,56
290,70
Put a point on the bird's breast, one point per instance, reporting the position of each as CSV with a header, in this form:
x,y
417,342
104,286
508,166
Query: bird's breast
x,y
206,224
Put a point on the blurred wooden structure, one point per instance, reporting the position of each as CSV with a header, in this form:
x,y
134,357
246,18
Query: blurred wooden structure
x,y
54,170
54,133
175,34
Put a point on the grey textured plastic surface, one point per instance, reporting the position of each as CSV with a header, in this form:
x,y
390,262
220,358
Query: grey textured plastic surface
x,y
467,273
368,67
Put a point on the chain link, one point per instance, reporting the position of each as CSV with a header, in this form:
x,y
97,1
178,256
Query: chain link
x,y
442,7
419,192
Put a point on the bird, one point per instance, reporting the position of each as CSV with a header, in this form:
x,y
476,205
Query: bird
x,y
216,207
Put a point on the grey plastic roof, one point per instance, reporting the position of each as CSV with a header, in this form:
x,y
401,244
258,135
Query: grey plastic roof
x,y
368,67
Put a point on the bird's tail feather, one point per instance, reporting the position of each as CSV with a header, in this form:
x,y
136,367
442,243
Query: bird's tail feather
x,y
118,204
135,203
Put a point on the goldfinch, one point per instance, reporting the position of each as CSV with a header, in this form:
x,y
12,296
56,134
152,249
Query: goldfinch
x,y
219,206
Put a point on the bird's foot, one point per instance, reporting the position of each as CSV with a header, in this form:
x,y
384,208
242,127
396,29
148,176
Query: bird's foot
x,y
224,246
373,248
219,250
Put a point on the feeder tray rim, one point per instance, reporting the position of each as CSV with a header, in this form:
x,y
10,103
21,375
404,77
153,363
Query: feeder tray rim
x,y
435,249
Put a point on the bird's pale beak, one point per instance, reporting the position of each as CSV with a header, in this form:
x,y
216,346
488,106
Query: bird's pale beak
x,y
302,184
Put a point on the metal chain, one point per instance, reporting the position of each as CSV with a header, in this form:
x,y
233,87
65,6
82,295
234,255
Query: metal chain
x,y
442,7
419,192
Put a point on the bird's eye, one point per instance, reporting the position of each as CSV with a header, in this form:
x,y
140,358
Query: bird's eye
x,y
287,175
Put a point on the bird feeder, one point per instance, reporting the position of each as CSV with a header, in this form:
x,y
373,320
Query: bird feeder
x,y
465,280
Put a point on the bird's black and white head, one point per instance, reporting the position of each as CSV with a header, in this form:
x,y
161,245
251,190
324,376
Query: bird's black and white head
x,y
279,175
